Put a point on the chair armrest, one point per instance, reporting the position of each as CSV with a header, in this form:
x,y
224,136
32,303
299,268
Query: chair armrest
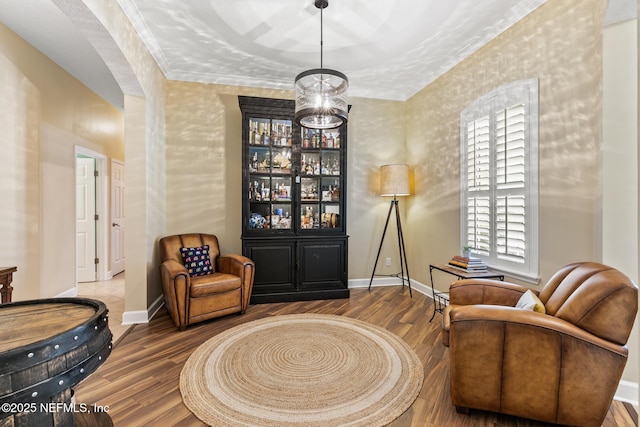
x,y
173,268
240,266
175,286
233,264
485,291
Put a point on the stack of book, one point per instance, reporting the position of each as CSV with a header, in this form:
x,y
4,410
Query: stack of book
x,y
470,264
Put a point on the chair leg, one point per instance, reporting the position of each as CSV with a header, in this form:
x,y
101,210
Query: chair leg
x,y
462,410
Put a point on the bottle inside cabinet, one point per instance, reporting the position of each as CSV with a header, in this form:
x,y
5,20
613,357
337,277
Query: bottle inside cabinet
x,y
316,216
309,190
270,173
309,217
320,170
330,190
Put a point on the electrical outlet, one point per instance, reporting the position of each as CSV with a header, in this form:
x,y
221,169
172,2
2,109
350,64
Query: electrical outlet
x,y
387,262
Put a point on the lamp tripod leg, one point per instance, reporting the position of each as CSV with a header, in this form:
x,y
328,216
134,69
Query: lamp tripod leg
x,y
384,232
404,266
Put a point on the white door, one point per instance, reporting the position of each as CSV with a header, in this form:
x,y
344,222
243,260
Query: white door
x,y
85,219
117,217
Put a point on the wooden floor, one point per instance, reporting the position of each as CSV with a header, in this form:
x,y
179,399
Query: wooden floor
x,y
111,292
139,381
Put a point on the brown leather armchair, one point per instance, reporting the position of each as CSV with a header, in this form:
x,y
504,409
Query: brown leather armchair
x,y
559,367
194,299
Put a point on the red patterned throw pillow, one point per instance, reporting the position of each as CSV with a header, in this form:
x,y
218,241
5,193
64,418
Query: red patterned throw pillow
x,y
197,260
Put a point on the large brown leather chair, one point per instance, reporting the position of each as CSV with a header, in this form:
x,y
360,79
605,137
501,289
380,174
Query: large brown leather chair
x,y
194,299
559,367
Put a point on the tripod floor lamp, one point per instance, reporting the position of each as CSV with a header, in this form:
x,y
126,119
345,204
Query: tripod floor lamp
x,y
394,181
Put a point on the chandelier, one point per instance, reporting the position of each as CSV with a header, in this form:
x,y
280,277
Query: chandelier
x,y
321,93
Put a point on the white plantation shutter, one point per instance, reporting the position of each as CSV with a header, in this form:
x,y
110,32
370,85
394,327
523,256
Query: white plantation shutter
x,y
478,155
511,228
510,184
499,170
510,149
478,184
479,224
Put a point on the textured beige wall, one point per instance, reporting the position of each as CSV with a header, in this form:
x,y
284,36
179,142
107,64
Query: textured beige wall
x,y
20,182
620,160
204,159
45,112
135,205
145,196
203,163
204,167
376,137
559,43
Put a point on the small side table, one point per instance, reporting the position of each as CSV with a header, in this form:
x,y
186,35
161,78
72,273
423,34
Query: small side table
x,y
441,299
6,277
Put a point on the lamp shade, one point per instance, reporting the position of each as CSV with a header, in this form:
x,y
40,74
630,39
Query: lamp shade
x,y
394,180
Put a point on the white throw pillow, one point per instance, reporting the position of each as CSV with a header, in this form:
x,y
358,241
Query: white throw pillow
x,y
529,301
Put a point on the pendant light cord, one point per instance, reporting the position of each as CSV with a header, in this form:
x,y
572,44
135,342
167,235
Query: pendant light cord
x,y
321,39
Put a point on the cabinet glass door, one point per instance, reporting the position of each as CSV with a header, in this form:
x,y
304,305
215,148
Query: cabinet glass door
x,y
320,179
270,174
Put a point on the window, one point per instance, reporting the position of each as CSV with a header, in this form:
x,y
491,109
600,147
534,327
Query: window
x,y
499,178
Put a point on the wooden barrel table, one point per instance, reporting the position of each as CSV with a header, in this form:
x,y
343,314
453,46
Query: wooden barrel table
x,y
48,346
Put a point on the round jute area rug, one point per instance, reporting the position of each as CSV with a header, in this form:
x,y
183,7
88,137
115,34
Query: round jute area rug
x,y
302,370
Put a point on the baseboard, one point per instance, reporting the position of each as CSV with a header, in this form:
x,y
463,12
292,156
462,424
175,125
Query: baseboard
x,y
142,316
627,391
135,317
157,305
364,283
389,281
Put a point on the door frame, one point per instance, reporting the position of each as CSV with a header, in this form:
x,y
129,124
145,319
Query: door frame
x,y
111,220
102,236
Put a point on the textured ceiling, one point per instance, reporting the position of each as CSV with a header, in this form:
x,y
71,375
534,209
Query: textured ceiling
x,y
389,49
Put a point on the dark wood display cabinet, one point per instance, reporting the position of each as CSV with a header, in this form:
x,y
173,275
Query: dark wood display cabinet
x,y
293,209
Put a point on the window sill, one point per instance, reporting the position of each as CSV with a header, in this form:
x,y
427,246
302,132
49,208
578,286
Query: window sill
x,y
527,278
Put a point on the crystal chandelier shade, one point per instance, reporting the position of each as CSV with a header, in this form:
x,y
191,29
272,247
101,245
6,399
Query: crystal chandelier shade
x,y
321,93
